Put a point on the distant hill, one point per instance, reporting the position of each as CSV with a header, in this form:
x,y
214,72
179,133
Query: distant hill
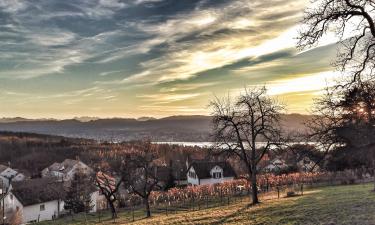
x,y
173,128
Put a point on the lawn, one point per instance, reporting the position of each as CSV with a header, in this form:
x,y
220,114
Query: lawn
x,y
352,204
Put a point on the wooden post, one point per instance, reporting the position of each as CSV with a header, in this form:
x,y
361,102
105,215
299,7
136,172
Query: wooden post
x,y
302,189
278,191
221,197
132,213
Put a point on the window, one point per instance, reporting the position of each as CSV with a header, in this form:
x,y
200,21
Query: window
x,y
42,207
192,174
216,175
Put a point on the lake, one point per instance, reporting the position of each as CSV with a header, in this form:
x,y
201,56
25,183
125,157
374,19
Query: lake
x,y
209,144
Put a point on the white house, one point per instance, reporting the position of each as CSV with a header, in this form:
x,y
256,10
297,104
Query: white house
x,y
307,165
8,175
200,173
35,200
276,165
66,170
39,199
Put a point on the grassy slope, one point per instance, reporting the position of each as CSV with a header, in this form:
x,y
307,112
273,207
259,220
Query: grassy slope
x,y
353,204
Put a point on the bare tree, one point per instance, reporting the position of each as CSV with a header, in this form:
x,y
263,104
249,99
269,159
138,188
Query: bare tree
x,y
140,175
353,22
109,188
239,125
78,196
345,119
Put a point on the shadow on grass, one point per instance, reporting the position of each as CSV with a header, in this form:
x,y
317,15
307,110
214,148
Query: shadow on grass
x,y
232,215
226,218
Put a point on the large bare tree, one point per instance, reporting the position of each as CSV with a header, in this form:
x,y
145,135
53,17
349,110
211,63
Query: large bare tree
x,y
140,176
354,25
242,122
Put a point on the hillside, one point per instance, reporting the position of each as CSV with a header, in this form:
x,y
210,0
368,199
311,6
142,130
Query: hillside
x,y
174,128
352,204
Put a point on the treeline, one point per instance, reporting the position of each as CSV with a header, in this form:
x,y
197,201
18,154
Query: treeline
x,y
31,153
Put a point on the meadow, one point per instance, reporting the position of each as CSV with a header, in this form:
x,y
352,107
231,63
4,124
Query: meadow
x,y
347,204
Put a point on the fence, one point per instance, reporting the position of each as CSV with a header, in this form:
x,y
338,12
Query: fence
x,y
194,198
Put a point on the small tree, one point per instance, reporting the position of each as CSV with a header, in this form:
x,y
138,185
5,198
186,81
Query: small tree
x,y
78,197
238,125
16,218
140,175
109,188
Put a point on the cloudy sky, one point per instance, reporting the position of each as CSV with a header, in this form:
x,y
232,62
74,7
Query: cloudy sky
x,y
132,58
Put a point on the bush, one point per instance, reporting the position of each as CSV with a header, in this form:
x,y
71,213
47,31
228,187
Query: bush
x,y
291,194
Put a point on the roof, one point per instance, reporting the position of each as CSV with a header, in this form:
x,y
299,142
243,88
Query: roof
x,y
63,167
105,181
203,169
179,171
162,173
2,168
55,166
36,191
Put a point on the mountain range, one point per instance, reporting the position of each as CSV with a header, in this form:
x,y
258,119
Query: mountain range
x,y
193,128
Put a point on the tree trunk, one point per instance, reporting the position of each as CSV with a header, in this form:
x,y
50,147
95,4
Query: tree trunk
x,y
254,193
113,209
147,204
373,167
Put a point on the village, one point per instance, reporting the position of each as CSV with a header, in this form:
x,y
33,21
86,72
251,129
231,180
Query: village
x,y
39,199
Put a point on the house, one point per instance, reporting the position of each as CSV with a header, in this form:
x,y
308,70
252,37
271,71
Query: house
x,y
276,165
66,170
35,200
205,172
8,175
306,164
39,199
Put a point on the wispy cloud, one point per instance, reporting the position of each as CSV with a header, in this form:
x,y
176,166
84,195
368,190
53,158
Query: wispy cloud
x,y
215,37
163,56
167,98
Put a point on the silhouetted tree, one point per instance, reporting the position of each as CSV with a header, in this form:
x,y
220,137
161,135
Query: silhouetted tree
x,y
78,197
345,119
354,24
108,187
238,125
140,174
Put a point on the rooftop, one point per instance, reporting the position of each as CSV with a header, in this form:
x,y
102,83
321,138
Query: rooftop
x,y
203,168
35,191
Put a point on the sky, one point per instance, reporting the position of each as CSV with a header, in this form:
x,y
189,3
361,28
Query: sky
x,y
134,58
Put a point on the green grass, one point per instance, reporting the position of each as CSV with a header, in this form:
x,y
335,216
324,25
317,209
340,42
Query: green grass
x,y
352,204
